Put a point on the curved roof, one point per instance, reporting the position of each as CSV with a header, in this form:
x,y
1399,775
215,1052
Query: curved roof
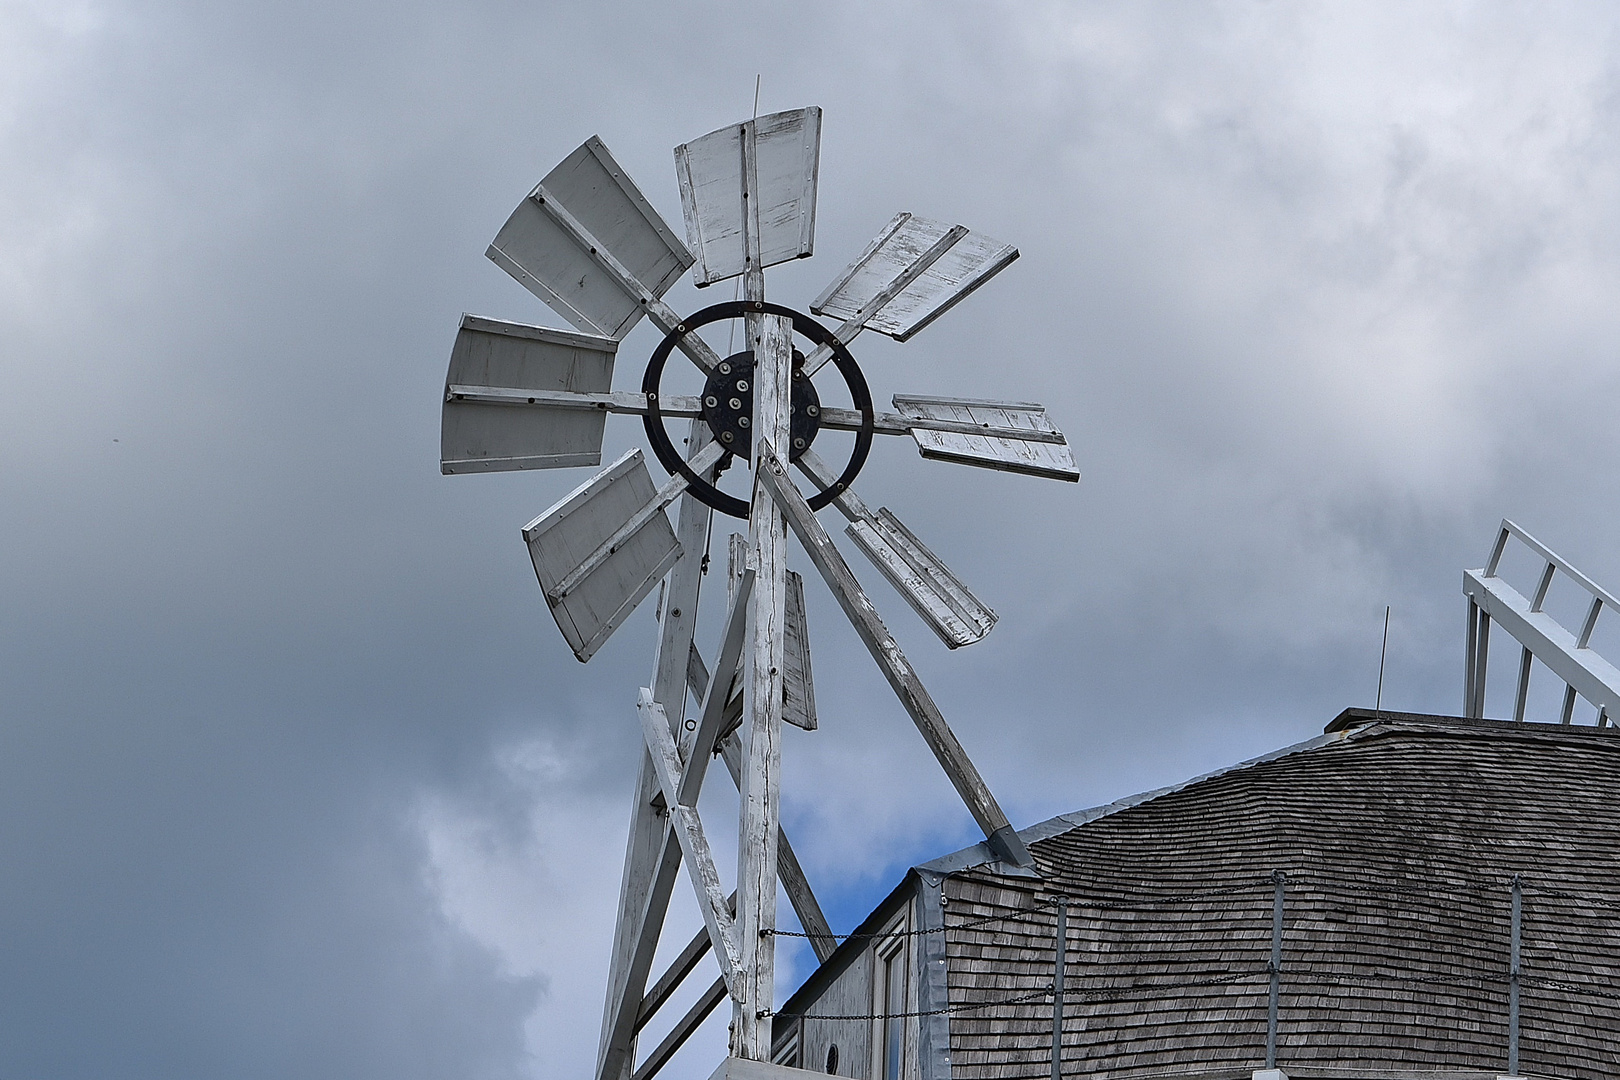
x,y
1398,837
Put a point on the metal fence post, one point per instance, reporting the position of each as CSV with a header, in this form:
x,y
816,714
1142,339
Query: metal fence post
x,y
1060,961
1275,967
1513,980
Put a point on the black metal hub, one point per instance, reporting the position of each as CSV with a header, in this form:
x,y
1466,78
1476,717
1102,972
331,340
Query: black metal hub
x,y
732,409
728,405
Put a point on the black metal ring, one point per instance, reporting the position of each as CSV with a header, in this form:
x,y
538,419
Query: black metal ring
x,y
804,326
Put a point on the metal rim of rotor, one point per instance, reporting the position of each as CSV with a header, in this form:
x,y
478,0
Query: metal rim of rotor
x,y
804,326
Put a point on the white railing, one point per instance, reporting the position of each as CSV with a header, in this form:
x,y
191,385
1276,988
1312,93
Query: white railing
x,y
1568,655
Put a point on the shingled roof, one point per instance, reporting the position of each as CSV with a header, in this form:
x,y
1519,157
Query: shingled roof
x,y
1397,836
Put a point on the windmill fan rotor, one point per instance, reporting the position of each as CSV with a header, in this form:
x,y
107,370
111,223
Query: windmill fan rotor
x,y
590,245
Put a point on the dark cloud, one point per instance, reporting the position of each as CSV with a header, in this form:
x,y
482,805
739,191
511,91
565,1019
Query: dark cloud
x,y
296,776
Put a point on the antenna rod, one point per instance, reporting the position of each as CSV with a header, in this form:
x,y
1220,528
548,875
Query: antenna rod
x,y
1378,706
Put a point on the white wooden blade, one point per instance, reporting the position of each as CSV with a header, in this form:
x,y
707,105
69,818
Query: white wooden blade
x,y
572,532
798,687
1045,453
587,242
485,437
945,604
788,150
968,263
939,596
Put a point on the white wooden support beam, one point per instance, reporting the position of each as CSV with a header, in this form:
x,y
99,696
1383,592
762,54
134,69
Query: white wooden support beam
x,y
633,403
652,856
711,896
1003,839
771,338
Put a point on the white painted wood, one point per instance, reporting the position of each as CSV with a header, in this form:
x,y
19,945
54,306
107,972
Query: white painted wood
x,y
671,490
870,309
476,438
889,423
936,594
1592,676
968,264
772,340
709,170
1040,456
886,651
620,401
711,895
798,685
565,535
943,601
555,263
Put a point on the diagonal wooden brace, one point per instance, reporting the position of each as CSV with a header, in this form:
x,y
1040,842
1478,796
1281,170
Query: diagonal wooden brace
x,y
711,895
1003,839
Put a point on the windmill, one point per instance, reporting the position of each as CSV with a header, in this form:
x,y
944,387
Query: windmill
x,y
589,244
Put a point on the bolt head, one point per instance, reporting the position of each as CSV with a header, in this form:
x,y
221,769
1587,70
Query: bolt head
x,y
725,369
725,436
742,421
742,386
710,402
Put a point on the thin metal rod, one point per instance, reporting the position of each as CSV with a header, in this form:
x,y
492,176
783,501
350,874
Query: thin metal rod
x,y
1513,981
1378,705
1275,968
1060,961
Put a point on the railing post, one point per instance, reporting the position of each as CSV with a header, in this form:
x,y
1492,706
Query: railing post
x,y
1275,967
1513,979
1060,961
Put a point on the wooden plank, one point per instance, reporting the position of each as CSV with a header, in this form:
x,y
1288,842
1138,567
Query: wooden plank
x,y
936,594
712,182
870,309
968,263
886,651
668,493
563,537
771,337
621,401
700,868
531,360
1035,457
563,266
682,1031
652,856
798,685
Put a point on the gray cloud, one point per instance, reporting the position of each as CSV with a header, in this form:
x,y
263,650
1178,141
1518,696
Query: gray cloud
x,y
297,777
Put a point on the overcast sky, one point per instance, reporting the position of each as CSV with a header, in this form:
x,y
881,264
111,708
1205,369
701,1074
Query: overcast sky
x,y
297,776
